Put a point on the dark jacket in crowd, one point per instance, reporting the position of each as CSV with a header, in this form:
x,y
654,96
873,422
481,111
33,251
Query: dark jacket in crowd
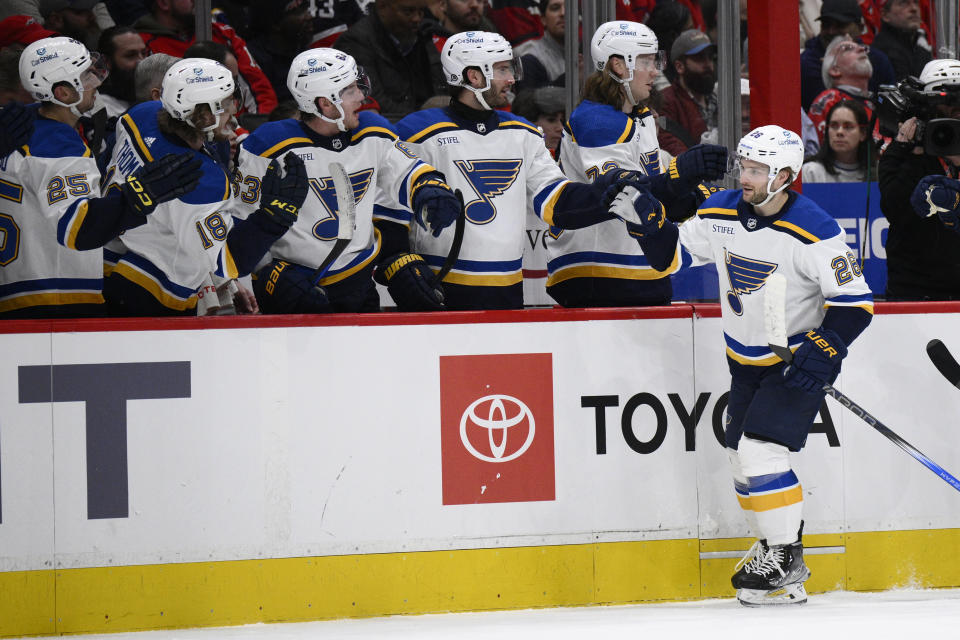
x,y
923,256
811,62
907,57
400,81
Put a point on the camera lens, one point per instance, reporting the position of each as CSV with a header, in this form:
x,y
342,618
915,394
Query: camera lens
x,y
942,136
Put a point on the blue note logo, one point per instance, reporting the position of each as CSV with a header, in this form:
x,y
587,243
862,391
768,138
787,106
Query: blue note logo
x,y
489,179
746,275
327,226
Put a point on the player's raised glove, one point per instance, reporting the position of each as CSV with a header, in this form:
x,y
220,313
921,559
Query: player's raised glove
x,y
282,196
938,195
411,283
816,362
609,184
283,288
642,213
164,179
699,163
16,127
434,203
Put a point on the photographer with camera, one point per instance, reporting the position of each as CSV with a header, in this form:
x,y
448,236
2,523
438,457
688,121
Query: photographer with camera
x,y
923,254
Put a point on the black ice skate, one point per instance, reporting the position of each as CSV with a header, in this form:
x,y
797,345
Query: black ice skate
x,y
775,577
749,563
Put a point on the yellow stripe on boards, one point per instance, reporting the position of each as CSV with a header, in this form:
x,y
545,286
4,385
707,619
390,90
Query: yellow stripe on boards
x,y
27,603
127,598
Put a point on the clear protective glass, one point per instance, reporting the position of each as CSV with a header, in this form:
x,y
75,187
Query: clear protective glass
x,y
736,169
651,61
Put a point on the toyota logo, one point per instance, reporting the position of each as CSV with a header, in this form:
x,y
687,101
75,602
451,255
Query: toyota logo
x,y
498,414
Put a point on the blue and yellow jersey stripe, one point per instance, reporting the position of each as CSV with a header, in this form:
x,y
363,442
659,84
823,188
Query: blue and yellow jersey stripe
x,y
480,273
147,276
50,292
598,264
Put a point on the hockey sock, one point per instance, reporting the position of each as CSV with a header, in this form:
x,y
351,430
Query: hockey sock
x,y
742,490
775,495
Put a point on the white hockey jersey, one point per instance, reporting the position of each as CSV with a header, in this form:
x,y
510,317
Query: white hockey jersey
x,y
184,240
802,242
500,168
54,173
381,172
596,139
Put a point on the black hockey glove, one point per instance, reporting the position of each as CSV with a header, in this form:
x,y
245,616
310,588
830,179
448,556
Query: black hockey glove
x,y
434,203
411,283
938,195
282,197
16,127
170,177
608,185
642,213
283,288
702,162
816,362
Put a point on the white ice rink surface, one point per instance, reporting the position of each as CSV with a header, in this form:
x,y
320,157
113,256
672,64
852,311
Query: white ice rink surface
x,y
908,614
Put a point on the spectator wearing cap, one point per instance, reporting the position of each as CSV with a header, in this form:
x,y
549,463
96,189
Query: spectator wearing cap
x,y
544,59
39,9
279,30
122,49
899,37
846,74
22,30
169,28
837,18
690,100
73,18
402,61
545,107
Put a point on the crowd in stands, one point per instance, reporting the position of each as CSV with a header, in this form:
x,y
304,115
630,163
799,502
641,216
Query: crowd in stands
x,y
848,49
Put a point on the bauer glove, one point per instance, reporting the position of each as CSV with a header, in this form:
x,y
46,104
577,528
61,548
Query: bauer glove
x,y
938,195
816,362
411,283
698,163
168,178
281,287
434,204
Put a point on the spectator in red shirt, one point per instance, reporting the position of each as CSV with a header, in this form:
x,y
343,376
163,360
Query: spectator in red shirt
x,y
169,28
690,101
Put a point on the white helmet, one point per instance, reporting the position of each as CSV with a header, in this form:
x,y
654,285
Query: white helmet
x,y
193,82
478,49
324,73
50,61
627,40
940,73
775,147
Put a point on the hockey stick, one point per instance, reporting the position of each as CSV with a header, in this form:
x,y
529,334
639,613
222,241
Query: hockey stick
x,y
774,321
346,211
944,361
457,242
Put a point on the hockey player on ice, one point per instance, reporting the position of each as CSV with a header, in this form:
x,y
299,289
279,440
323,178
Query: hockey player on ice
x,y
52,175
168,251
613,129
388,181
749,233
501,165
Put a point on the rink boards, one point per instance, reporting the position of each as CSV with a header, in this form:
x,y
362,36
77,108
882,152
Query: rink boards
x,y
226,471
